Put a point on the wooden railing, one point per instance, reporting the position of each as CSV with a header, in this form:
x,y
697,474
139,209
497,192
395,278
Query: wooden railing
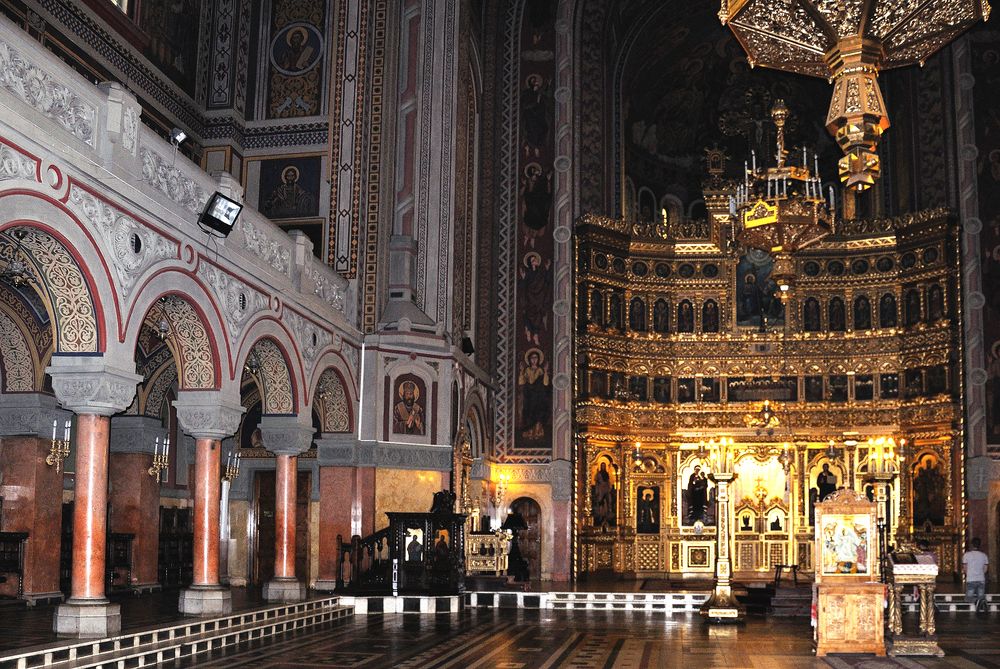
x,y
367,561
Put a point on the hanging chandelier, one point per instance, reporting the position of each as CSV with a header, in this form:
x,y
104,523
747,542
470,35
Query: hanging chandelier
x,y
849,42
782,209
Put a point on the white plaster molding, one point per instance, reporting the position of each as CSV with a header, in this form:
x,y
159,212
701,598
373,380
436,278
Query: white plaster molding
x,y
326,287
259,241
117,230
311,337
16,165
42,92
162,175
228,290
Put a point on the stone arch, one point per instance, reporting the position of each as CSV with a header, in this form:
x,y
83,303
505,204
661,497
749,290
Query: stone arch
x,y
156,387
267,362
27,336
475,424
188,339
332,403
18,360
268,326
177,304
63,281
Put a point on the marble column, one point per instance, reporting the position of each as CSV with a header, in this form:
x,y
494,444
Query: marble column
x,y
135,495
209,417
346,500
336,492
32,490
94,390
286,437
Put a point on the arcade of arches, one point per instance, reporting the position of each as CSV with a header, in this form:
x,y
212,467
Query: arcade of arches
x,y
485,247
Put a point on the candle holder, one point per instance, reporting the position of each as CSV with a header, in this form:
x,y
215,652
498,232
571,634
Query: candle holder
x,y
884,460
59,450
161,460
232,467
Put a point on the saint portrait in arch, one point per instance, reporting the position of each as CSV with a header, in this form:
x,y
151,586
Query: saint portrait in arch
x,y
408,410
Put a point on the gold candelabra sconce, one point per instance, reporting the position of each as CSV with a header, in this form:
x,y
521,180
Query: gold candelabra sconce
x,y
161,460
498,490
59,450
232,466
884,461
786,458
721,454
884,457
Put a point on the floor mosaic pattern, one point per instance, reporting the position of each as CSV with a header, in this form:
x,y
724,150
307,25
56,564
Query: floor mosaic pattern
x,y
549,639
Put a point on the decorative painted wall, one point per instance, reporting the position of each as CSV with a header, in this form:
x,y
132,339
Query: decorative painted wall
x,y
986,94
686,86
295,50
173,38
534,257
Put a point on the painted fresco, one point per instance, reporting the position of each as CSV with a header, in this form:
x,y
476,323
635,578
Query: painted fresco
x,y
757,292
409,408
985,44
534,229
172,26
289,187
687,86
295,54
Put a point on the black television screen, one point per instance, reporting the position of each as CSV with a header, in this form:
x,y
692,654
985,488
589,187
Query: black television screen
x,y
220,214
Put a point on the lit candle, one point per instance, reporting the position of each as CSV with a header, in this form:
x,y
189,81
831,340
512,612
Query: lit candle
x,y
753,154
54,423
803,157
156,447
816,163
66,430
166,446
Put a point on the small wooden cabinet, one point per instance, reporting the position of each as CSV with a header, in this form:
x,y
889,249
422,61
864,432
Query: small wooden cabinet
x,y
850,618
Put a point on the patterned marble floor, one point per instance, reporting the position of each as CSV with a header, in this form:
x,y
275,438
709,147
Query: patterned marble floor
x,y
505,639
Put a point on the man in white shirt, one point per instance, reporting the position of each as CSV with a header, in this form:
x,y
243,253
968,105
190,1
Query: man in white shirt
x,y
975,564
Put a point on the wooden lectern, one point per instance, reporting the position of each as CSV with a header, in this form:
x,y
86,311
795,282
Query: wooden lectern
x,y
850,608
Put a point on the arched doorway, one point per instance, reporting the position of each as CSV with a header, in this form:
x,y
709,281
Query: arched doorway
x,y
530,540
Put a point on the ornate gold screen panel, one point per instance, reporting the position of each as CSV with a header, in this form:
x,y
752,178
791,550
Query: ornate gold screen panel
x,y
681,338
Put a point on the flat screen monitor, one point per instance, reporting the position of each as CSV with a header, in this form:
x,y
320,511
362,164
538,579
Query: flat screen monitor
x,y
220,214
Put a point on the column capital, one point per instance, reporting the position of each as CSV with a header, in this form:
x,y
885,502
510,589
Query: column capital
x,y
207,414
135,434
30,414
286,435
89,385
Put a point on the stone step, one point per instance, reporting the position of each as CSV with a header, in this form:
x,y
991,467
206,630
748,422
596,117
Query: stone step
x,y
162,644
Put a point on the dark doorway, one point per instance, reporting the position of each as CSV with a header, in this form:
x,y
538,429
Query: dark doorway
x,y
262,543
530,540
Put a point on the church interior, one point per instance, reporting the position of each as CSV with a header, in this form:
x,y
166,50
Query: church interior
x,y
524,333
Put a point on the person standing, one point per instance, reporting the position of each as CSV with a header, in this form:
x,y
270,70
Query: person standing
x,y
975,564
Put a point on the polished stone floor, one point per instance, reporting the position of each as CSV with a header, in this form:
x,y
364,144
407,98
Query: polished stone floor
x,y
508,639
23,626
